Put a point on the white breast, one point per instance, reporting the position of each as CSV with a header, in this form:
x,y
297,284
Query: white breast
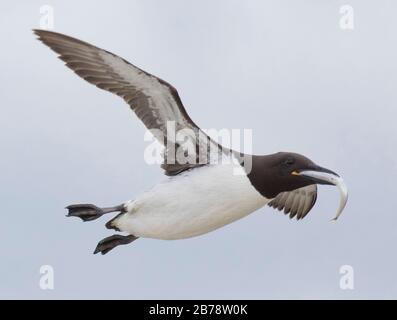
x,y
192,203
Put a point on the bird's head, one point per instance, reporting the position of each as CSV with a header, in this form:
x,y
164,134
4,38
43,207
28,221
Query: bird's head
x,y
294,171
287,171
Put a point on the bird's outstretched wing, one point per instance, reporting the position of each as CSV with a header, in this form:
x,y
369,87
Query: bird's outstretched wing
x,y
153,100
297,202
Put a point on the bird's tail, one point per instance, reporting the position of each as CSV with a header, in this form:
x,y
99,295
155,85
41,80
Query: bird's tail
x,y
111,223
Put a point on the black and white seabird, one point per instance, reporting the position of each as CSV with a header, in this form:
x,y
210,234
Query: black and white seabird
x,y
198,196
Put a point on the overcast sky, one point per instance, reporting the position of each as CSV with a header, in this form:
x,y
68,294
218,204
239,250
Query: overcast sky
x,y
284,69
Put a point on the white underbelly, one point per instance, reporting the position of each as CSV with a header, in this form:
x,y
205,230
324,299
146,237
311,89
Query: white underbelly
x,y
192,203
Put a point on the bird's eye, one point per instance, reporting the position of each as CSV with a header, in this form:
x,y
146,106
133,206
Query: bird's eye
x,y
289,162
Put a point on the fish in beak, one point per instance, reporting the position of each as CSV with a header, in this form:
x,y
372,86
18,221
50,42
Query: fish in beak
x,y
321,175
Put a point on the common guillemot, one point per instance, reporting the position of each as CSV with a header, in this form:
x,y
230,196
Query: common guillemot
x,y
199,196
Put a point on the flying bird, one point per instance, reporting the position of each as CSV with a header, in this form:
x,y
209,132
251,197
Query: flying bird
x,y
198,196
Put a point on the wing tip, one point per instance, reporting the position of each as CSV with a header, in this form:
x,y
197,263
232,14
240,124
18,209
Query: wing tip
x,y
42,33
48,37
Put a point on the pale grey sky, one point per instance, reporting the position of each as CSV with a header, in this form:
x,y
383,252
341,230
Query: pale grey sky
x,y
284,69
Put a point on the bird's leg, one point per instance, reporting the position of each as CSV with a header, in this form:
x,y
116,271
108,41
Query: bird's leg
x,y
107,244
88,212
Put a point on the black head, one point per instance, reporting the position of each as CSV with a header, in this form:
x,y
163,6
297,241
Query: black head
x,y
283,171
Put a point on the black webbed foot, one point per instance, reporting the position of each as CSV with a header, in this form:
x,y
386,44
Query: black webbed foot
x,y
107,244
89,212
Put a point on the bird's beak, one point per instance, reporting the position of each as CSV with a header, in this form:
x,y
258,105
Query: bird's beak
x,y
321,175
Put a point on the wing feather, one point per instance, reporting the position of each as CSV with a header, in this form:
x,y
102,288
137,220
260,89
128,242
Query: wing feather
x,y
152,99
297,202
